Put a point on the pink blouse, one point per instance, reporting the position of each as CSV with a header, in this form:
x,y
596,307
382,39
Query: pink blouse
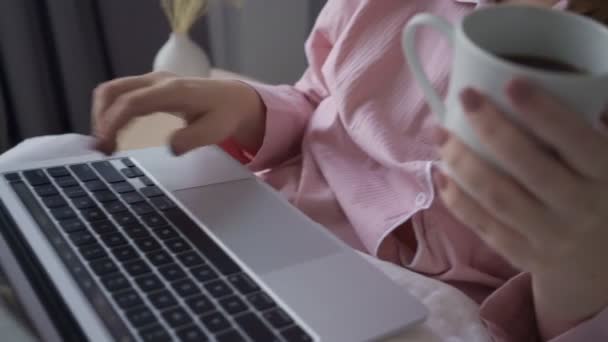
x,y
351,146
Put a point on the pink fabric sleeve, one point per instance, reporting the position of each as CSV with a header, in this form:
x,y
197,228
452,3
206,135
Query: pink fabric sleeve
x,y
509,315
289,108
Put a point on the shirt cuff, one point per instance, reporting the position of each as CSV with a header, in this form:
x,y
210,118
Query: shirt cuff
x,y
283,128
509,311
510,316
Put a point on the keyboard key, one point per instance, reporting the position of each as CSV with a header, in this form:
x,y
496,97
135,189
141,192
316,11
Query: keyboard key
x,y
186,287
114,207
230,336
82,238
93,214
216,322
74,191
137,267
66,182
141,316
122,187
154,220
147,244
192,333
46,190
176,317
104,227
127,162
218,288
54,202
142,208
200,304
255,328
84,172
58,171
165,233
105,196
102,267
107,171
155,333
243,283
128,172
277,318
36,177
261,301
132,197
11,177
233,305
203,242
136,232
127,299
83,202
177,245
151,191
114,239
95,185
172,272
63,213
204,273
125,219
136,171
162,203
72,225
115,282
190,259
146,181
124,253
162,299
296,334
92,251
149,283
160,257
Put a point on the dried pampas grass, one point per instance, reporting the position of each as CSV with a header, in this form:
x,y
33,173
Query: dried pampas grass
x,y
182,14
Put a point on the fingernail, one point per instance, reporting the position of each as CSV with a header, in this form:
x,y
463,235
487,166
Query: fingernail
x,y
172,150
441,136
471,100
520,90
439,179
175,151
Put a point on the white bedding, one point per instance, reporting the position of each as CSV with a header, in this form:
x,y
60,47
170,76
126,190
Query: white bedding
x,y
453,317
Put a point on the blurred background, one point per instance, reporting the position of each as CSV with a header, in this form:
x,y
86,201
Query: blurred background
x,y
54,52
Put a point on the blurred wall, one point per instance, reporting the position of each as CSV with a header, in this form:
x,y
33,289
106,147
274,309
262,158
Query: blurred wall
x,y
264,39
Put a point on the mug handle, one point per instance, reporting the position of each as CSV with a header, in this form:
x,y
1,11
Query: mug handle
x,y
413,60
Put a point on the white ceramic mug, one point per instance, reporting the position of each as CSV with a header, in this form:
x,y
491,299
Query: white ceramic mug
x,y
515,30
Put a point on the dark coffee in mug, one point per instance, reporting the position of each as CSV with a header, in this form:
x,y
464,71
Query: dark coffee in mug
x,y
543,63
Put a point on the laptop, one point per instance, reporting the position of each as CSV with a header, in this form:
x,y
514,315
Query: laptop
x,y
145,246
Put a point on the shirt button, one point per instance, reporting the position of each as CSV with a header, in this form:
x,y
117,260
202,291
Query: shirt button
x,y
420,198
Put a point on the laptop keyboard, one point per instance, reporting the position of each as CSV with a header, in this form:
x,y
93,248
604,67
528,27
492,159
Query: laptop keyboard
x,y
151,273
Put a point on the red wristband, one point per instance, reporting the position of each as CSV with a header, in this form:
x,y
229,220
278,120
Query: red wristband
x,y
235,150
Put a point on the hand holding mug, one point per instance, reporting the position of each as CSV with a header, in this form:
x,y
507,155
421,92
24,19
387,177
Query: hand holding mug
x,y
527,158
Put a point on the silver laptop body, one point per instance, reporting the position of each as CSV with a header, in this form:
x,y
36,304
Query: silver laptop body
x,y
324,287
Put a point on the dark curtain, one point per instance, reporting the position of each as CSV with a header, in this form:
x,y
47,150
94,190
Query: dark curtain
x,y
53,53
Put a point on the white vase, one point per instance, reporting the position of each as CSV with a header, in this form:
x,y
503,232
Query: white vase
x,y
182,56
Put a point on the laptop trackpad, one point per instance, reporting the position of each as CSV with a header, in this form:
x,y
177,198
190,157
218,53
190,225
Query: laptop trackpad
x,y
265,232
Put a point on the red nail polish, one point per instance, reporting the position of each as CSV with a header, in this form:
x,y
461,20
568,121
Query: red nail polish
x,y
471,100
439,179
520,90
441,136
